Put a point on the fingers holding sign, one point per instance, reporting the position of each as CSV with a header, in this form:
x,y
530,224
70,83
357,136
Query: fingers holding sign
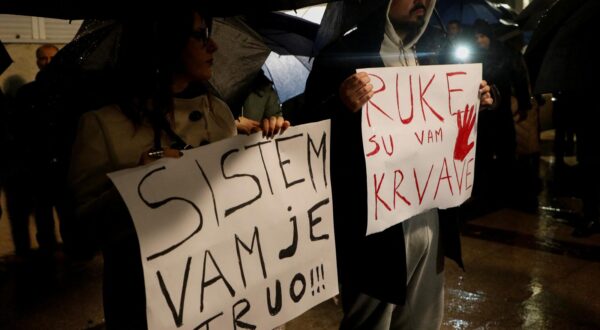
x,y
485,96
274,125
247,126
356,90
270,126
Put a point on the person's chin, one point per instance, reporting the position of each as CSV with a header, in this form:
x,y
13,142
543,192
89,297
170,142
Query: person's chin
x,y
207,74
200,77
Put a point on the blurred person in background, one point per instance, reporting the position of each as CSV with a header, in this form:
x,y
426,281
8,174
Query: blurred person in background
x,y
496,136
32,181
260,107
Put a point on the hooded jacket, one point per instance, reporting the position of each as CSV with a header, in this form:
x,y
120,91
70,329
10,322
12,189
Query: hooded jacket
x,y
374,264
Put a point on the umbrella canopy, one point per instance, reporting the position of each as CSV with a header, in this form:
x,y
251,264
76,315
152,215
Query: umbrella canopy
x,y
341,16
468,11
94,47
77,9
288,74
243,50
279,44
560,55
285,34
508,13
241,55
84,68
531,15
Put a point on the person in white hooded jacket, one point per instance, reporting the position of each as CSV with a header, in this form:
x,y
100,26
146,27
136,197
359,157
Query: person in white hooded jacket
x,y
392,279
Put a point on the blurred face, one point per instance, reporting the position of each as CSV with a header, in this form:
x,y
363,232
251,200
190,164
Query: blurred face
x,y
198,52
408,12
482,40
453,29
44,55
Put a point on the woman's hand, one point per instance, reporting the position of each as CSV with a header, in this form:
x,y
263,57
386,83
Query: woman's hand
x,y
247,126
274,125
152,155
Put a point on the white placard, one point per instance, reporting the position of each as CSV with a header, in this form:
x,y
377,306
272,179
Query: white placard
x,y
237,233
419,133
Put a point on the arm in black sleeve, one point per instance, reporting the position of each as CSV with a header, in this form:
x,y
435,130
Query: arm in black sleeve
x,y
323,101
520,82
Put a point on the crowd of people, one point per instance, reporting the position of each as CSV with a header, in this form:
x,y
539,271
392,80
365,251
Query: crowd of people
x,y
164,105
508,151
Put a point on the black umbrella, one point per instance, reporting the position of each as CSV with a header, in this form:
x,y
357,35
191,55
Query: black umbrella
x,y
83,70
280,44
78,9
285,34
241,54
87,64
468,11
341,16
531,15
94,47
561,56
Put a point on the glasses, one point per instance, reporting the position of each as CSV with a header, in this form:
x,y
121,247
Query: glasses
x,y
201,35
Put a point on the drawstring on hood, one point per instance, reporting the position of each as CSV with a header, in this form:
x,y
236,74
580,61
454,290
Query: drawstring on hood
x,y
394,51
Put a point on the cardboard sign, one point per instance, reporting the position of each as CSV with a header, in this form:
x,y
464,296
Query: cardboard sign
x,y
419,133
236,234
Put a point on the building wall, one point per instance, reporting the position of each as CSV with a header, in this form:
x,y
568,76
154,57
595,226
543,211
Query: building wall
x,y
21,35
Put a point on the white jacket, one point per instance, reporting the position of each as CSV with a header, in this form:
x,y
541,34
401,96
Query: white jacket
x,y
108,141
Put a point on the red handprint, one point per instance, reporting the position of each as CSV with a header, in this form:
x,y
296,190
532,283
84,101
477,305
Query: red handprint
x,y
465,126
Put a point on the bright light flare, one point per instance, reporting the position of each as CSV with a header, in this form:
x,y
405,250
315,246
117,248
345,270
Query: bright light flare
x,y
462,53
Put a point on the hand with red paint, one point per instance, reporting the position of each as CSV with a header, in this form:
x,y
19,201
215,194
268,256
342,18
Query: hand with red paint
x,y
356,90
466,122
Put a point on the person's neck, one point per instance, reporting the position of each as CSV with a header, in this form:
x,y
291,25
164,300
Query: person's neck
x,y
405,31
179,84
402,34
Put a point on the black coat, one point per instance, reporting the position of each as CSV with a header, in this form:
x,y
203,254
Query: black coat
x,y
374,264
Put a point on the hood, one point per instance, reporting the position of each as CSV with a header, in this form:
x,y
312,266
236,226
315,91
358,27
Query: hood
x,y
394,51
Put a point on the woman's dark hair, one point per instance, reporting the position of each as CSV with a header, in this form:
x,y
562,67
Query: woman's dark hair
x,y
482,27
150,53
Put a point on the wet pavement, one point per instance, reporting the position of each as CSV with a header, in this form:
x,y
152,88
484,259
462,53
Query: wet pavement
x,y
523,270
